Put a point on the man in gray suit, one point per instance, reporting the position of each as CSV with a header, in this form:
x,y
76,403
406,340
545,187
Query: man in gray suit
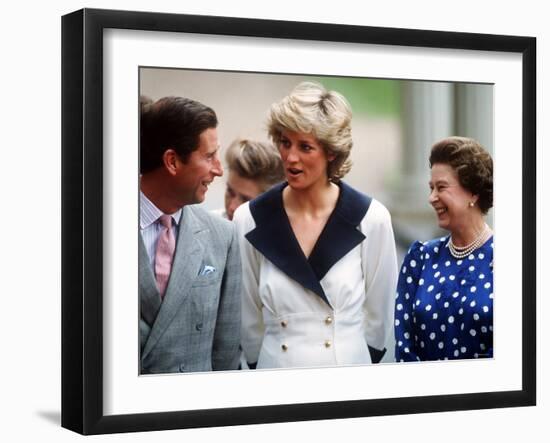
x,y
189,263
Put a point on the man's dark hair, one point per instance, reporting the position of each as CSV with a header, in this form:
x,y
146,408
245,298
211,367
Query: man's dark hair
x,y
171,122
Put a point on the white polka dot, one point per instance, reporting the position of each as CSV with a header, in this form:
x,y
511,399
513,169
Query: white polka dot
x,y
399,343
446,304
447,263
407,335
421,248
436,249
434,316
451,319
407,296
455,294
399,307
442,239
412,263
481,256
440,345
443,327
423,267
491,295
473,289
430,288
409,279
473,303
476,316
482,346
404,270
490,328
485,309
459,262
442,279
427,255
422,344
462,282
417,302
432,336
406,350
481,276
396,322
405,316
487,285
471,268
463,349
438,296
461,311
463,299
455,341
437,274
476,355
423,326
484,329
456,353
434,266
420,282
428,307
473,332
471,257
462,327
452,277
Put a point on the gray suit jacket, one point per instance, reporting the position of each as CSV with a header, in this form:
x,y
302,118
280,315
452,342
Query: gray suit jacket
x,y
197,326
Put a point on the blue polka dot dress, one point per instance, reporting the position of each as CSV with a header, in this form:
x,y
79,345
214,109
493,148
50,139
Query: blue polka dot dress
x,y
444,305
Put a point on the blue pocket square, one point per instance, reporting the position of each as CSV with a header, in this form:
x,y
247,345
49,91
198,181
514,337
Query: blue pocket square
x,y
207,270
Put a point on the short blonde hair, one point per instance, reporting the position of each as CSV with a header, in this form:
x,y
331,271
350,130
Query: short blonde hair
x,y
311,109
256,161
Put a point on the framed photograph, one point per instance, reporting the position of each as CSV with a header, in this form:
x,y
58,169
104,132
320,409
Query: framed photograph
x,y
407,89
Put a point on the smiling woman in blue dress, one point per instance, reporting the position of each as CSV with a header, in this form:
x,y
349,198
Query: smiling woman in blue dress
x,y
319,261
444,305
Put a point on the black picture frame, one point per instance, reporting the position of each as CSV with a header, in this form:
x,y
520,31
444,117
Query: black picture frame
x,y
82,220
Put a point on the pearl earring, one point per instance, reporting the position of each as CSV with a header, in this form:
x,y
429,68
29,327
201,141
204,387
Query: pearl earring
x,y
471,204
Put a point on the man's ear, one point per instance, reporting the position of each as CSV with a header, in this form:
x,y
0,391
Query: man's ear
x,y
170,161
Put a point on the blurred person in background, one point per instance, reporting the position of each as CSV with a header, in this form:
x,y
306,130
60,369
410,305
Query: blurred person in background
x,y
444,305
253,167
319,259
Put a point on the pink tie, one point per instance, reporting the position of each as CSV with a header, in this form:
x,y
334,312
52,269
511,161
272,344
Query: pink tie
x,y
166,246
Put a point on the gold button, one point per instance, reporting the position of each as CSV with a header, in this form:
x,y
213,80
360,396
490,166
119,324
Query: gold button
x,y
328,344
284,347
284,323
328,320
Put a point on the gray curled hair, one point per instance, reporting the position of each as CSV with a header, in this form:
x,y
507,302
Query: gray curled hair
x,y
312,109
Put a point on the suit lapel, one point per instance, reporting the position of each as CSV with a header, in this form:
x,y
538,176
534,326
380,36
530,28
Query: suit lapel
x,y
185,267
274,238
149,297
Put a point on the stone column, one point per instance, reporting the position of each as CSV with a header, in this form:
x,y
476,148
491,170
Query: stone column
x,y
427,114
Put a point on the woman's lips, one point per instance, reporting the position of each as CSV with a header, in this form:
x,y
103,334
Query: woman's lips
x,y
294,171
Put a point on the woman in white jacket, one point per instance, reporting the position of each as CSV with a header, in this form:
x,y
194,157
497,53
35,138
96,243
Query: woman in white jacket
x,y
319,262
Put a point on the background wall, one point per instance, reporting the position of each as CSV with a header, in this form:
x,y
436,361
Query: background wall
x,y
30,189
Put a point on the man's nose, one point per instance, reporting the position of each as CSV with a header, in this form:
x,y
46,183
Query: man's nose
x,y
218,168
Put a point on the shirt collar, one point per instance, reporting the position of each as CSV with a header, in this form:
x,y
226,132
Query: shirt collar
x,y
149,213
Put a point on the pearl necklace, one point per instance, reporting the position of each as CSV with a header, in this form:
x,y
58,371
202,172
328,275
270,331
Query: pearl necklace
x,y
463,251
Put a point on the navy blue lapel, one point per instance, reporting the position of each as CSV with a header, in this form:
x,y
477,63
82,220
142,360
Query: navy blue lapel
x,y
274,238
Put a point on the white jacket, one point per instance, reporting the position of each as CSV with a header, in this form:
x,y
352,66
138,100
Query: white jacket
x,y
326,310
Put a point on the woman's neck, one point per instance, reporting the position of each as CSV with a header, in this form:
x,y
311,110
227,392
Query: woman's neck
x,y
315,200
465,235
